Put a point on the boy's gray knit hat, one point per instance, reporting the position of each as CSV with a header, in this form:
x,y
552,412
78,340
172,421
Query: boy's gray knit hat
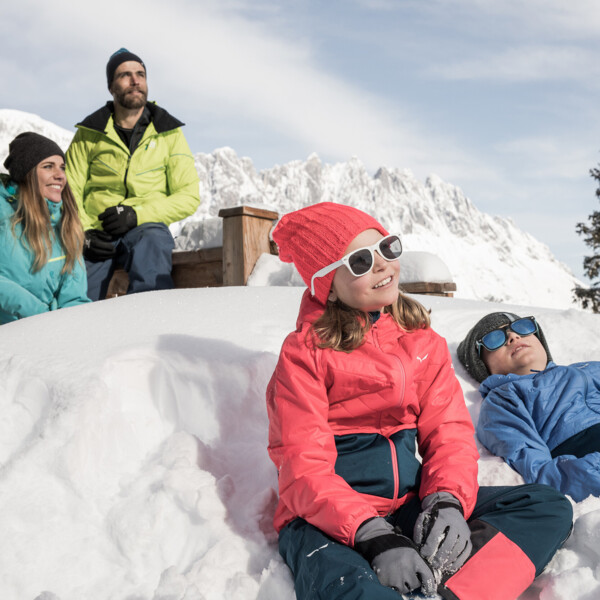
x,y
467,349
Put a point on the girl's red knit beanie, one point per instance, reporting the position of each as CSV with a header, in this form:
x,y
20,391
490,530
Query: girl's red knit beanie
x,y
318,235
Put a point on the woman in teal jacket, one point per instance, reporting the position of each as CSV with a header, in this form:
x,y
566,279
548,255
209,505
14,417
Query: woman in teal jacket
x,y
41,238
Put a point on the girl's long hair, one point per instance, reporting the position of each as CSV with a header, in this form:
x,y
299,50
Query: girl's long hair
x,y
33,215
344,328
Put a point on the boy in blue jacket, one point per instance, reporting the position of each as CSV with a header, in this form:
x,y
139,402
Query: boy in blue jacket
x,y
542,418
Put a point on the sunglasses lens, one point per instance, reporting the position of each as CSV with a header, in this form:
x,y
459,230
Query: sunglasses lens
x,y
494,339
497,338
524,326
390,247
360,261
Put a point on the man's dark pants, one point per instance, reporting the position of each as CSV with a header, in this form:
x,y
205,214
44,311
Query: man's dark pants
x,y
145,253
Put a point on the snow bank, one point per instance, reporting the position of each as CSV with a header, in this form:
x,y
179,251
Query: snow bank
x,y
133,439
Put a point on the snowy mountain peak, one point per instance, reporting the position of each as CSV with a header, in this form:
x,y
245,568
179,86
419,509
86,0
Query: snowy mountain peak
x,y
488,256
13,122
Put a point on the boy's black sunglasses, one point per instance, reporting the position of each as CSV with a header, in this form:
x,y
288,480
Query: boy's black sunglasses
x,y
496,339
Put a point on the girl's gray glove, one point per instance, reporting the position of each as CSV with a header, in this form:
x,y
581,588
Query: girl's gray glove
x,y
394,557
441,532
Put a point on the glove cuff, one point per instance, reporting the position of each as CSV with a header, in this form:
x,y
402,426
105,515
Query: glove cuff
x,y
444,504
441,500
377,545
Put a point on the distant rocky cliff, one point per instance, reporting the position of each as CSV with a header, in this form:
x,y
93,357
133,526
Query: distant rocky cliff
x,y
489,257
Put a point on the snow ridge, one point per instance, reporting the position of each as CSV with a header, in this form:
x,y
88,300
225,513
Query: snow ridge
x,y
13,122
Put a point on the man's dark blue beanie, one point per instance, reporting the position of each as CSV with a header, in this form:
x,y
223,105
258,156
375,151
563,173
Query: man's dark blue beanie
x,y
117,58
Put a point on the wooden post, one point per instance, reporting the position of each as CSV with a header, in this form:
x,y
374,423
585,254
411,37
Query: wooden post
x,y
245,238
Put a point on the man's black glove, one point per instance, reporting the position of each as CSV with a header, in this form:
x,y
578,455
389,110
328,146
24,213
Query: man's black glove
x,y
98,246
441,532
394,557
118,220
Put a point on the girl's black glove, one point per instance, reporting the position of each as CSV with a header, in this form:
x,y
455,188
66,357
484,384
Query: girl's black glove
x,y
394,557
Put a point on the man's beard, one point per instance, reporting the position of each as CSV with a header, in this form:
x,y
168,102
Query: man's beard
x,y
127,100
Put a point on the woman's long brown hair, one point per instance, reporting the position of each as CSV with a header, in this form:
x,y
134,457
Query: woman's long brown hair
x,y
344,328
33,215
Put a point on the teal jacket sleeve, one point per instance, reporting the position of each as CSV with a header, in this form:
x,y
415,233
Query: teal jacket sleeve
x,y
73,288
16,302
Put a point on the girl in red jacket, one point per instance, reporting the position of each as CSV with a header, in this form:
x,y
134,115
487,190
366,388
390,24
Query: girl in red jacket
x,y
374,444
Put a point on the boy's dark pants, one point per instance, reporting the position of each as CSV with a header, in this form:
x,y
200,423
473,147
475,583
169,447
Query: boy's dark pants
x,y
515,531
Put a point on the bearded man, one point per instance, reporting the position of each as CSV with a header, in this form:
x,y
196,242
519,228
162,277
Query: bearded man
x,y
133,174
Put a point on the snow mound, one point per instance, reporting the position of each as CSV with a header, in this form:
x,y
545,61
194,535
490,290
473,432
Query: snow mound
x,y
133,436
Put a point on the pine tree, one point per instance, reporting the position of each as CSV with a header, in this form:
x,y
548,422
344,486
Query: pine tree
x,y
590,297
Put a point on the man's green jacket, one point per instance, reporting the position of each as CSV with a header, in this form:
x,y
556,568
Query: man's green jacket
x,y
158,180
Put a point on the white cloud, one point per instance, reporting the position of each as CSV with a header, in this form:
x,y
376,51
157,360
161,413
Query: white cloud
x,y
527,63
386,5
215,60
550,157
557,19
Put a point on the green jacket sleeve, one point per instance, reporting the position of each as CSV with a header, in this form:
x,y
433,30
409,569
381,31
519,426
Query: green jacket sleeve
x,y
77,171
182,186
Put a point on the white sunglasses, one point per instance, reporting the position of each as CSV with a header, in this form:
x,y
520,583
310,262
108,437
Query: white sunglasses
x,y
361,260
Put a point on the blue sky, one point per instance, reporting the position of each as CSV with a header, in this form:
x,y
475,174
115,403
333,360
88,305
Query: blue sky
x,y
498,98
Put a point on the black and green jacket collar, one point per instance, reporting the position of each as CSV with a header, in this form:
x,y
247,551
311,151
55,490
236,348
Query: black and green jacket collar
x,y
162,120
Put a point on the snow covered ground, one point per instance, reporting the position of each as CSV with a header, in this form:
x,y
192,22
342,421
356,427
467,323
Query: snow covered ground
x,y
133,438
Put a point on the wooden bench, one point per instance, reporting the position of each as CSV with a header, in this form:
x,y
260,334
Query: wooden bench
x,y
432,289
245,237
